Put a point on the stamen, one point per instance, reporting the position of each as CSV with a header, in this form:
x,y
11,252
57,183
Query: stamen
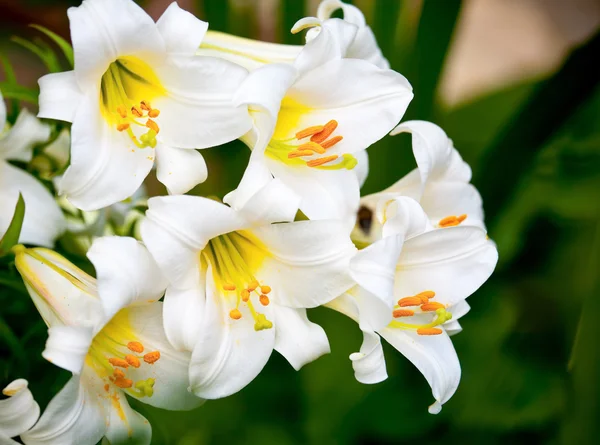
x,y
253,285
321,161
137,112
264,300
229,287
106,387
409,301
135,346
298,154
426,295
452,220
122,127
325,133
245,294
432,306
309,131
403,313
312,146
132,360
235,314
265,289
145,105
118,362
152,357
429,331
462,217
122,111
123,383
152,125
153,113
118,373
331,142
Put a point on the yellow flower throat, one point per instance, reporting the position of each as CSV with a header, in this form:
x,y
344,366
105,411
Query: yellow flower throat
x,y
126,89
235,257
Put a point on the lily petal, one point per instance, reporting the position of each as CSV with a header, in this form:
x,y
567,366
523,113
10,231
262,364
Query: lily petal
x,y
179,169
43,221
19,412
67,346
182,310
229,353
125,425
59,96
362,167
74,415
18,143
320,250
298,339
434,356
127,274
369,362
181,30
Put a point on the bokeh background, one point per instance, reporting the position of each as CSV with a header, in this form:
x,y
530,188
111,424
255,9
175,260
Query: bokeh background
x,y
515,84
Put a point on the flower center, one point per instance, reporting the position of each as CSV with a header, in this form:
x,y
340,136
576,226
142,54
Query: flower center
x,y
299,150
234,258
114,350
452,220
420,307
126,89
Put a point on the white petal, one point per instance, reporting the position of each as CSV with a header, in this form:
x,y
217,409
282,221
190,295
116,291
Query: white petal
x,y
453,262
442,199
103,30
20,411
197,111
170,371
320,250
67,346
106,166
298,339
229,353
346,304
18,143
362,168
402,216
369,363
67,298
434,356
74,415
177,228
125,425
44,221
256,176
181,31
179,169
325,194
365,47
453,326
351,13
182,310
126,273
59,96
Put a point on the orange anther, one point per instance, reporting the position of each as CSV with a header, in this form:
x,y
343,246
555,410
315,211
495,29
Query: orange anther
x,y
403,313
122,111
309,131
133,361
235,314
152,357
426,293
409,301
325,133
297,153
331,142
122,127
229,287
152,125
451,220
145,105
321,161
118,362
153,113
264,300
462,217
106,387
123,383
253,285
265,289
245,294
135,346
118,373
429,331
136,111
432,307
312,146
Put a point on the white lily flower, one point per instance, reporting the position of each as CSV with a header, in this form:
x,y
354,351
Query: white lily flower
x,y
138,93
18,413
109,333
43,221
252,54
310,119
239,285
412,283
440,183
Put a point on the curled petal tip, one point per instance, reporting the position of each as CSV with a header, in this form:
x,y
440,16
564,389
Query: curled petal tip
x,y
435,408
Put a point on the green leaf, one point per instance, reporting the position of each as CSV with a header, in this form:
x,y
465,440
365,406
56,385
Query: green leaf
x,y
11,237
65,46
9,72
41,50
14,91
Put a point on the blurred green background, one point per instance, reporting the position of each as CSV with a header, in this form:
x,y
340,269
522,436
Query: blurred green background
x,y
515,85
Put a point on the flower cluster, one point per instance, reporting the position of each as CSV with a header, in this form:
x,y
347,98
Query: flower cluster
x,y
191,294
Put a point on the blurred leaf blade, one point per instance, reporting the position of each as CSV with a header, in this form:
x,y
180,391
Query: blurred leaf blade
x,y
11,236
64,46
